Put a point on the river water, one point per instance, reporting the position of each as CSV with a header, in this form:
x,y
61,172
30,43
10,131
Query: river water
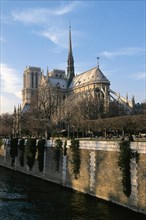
x,y
28,198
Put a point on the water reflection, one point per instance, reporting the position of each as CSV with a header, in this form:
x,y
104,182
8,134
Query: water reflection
x,y
27,198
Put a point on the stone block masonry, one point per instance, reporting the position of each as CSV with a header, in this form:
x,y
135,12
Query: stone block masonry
x,y
99,172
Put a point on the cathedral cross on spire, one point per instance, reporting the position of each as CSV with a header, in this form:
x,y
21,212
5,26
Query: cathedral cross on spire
x,y
98,61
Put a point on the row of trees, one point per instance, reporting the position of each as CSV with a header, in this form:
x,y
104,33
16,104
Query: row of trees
x,y
78,114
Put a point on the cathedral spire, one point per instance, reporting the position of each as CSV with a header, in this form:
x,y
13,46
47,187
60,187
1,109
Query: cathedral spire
x,y
70,60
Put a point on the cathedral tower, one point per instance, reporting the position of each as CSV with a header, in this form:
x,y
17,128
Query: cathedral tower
x,y
31,80
70,61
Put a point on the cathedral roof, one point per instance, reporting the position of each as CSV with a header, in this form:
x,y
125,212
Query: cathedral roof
x,y
93,75
62,83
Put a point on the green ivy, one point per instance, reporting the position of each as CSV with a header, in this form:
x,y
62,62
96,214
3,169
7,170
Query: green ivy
x,y
22,149
13,149
41,148
124,164
57,152
30,152
75,157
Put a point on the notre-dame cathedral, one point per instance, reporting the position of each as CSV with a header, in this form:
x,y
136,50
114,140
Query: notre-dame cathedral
x,y
92,81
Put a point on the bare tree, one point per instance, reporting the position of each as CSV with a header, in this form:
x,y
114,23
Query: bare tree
x,y
42,107
76,110
6,124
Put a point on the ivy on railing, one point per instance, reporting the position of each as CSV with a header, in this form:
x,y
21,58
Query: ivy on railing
x,y
75,161
30,152
41,148
57,152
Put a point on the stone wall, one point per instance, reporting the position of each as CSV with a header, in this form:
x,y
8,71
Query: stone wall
x,y
99,174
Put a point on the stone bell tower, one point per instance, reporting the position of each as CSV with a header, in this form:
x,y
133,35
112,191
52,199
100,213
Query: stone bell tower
x,y
31,79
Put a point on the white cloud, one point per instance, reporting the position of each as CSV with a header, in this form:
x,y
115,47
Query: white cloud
x,y
11,85
10,79
48,21
51,35
139,76
56,35
66,8
32,15
131,51
2,40
7,103
42,15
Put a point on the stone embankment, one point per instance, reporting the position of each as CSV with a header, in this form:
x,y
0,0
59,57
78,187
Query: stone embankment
x,y
98,168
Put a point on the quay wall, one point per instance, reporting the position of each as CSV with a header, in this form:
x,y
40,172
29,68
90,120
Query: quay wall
x,y
99,173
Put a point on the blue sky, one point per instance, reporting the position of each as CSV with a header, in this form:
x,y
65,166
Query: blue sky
x,y
35,33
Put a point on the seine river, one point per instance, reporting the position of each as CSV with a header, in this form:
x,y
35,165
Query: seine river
x,y
28,198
